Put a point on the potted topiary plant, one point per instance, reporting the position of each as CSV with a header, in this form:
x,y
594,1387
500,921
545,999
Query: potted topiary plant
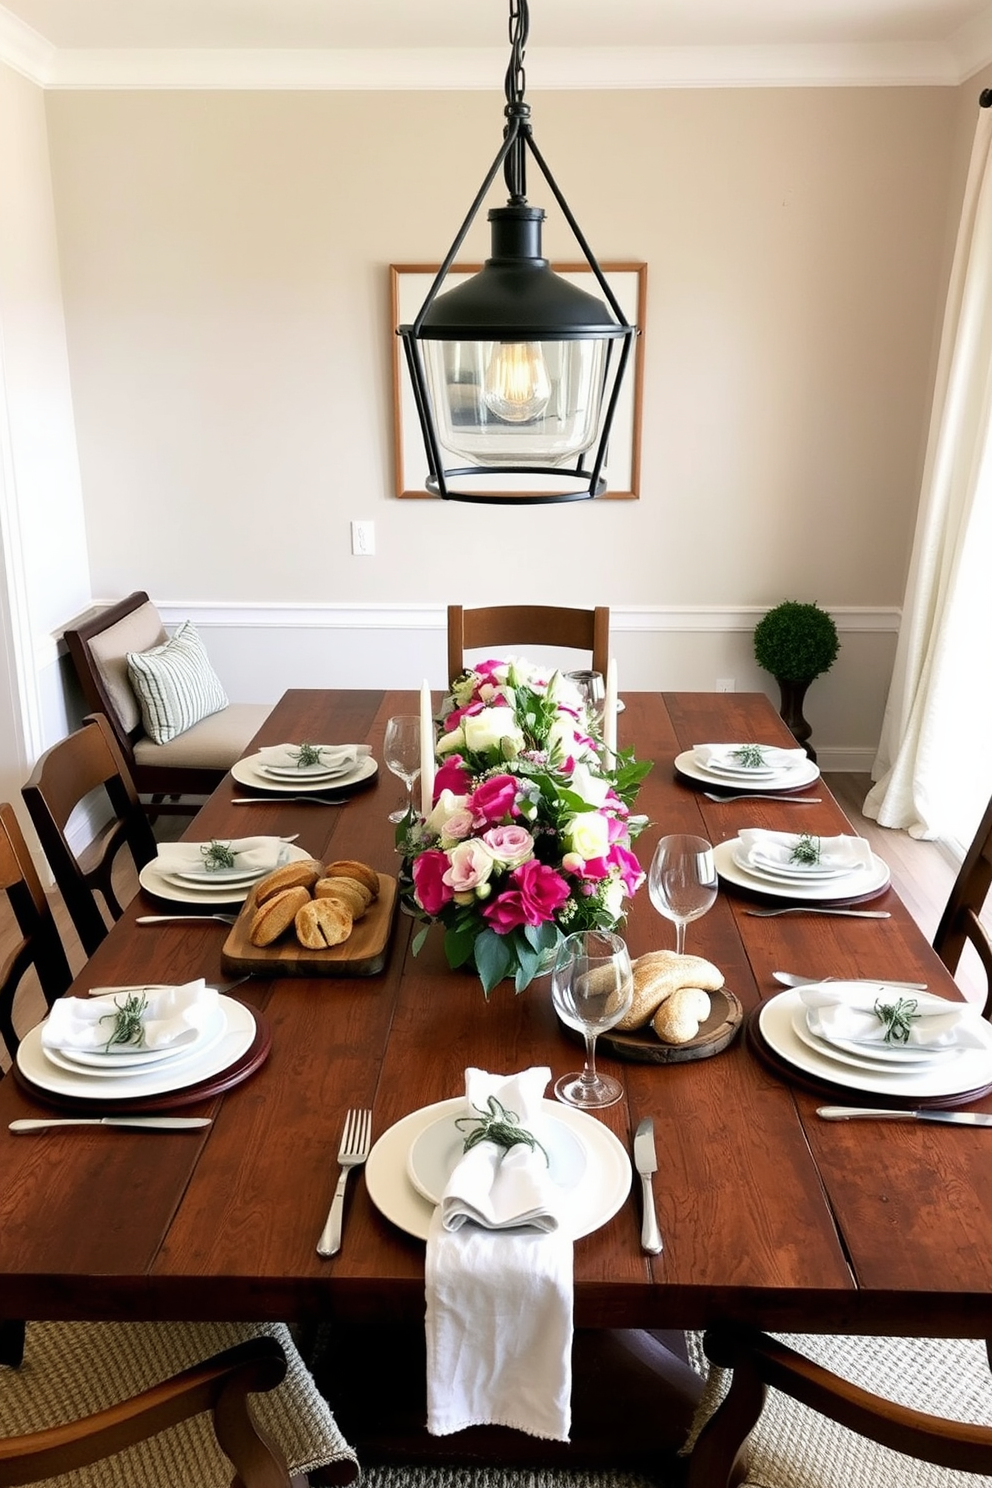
x,y
796,642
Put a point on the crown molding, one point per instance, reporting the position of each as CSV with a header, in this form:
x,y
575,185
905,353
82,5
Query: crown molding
x,y
551,69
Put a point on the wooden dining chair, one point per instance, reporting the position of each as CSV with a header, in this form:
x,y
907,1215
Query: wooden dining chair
x,y
528,625
960,924
87,768
38,944
803,1437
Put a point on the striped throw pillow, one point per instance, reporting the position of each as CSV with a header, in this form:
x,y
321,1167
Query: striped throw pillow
x,y
175,685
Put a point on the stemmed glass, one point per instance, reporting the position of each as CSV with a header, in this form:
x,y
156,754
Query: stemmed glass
x,y
592,986
592,690
682,881
401,752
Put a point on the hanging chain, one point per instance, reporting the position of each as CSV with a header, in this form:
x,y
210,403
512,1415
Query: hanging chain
x,y
514,168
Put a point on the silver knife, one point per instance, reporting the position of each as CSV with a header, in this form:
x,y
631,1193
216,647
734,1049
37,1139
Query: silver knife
x,y
646,1163
792,979
153,1123
948,1118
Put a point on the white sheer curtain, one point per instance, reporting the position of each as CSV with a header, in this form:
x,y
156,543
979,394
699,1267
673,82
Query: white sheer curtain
x,y
934,765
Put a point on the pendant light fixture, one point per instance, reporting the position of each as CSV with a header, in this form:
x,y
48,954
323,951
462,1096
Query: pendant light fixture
x,y
516,372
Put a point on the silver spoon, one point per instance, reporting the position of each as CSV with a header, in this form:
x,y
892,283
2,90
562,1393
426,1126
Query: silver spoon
x,y
789,979
854,914
763,796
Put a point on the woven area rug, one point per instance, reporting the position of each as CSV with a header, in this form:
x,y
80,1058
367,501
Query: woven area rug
x,y
495,1477
793,1447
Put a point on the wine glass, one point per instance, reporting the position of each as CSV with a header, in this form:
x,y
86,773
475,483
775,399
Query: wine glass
x,y
682,881
401,752
592,690
592,986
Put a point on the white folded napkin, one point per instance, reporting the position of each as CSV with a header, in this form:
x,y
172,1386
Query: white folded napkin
x,y
774,850
499,1281
173,1017
846,1011
251,854
725,757
334,757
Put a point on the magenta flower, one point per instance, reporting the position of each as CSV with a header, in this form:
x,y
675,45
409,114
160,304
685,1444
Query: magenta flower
x,y
453,775
542,890
631,872
493,800
428,881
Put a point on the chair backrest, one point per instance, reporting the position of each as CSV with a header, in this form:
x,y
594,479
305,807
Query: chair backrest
x,y
98,649
69,771
960,922
758,1361
40,945
516,625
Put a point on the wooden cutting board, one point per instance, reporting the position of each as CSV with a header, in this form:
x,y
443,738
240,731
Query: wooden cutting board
x,y
362,954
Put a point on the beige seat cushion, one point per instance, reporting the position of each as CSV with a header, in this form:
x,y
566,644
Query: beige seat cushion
x,y
73,1369
215,743
139,631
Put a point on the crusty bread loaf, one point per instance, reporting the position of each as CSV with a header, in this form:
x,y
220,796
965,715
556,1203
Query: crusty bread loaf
x,y
348,890
322,922
276,915
679,1017
350,868
303,874
657,975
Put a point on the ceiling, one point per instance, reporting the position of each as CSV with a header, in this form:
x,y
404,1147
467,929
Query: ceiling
x,y
457,43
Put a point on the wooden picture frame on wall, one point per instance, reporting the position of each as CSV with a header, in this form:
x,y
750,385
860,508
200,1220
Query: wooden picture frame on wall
x,y
409,285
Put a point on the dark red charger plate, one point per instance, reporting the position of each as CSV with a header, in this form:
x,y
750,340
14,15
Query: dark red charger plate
x,y
168,1100
843,1094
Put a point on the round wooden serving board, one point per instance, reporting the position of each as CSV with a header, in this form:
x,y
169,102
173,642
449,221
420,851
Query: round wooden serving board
x,y
645,1047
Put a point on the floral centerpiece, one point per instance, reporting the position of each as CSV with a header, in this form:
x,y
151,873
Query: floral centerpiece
x,y
530,834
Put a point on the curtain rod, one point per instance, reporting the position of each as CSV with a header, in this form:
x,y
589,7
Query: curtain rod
x,y
985,98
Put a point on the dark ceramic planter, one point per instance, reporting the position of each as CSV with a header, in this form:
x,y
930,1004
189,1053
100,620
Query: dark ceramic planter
x,y
793,695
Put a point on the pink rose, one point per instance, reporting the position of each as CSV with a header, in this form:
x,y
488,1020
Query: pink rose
x,y
428,881
470,865
537,892
454,775
631,872
509,845
493,800
505,913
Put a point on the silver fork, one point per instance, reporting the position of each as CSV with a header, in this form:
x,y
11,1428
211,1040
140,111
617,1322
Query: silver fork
x,y
763,796
356,1142
854,914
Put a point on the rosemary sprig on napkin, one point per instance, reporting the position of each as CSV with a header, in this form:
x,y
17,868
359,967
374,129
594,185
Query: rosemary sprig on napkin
x,y
751,756
898,1018
307,754
806,851
499,1126
217,855
128,1027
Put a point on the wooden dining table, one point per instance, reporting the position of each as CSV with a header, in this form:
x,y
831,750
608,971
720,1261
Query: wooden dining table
x,y
769,1215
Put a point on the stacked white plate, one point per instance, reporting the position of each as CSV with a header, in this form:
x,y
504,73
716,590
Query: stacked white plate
x,y
914,1070
261,774
409,1166
213,886
718,767
738,864
128,1072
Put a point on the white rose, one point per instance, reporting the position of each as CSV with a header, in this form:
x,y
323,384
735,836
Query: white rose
x,y
613,897
592,788
447,805
588,834
449,742
488,729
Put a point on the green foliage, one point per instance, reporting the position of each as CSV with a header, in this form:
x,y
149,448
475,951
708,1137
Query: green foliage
x,y
796,642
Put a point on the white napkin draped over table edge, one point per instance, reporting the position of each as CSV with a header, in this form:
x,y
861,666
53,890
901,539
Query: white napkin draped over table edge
x,y
334,757
173,1018
773,757
250,854
499,1299
774,850
846,1010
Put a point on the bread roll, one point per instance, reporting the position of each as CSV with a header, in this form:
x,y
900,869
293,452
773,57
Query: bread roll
x,y
348,890
276,915
303,874
657,975
349,868
679,1018
321,923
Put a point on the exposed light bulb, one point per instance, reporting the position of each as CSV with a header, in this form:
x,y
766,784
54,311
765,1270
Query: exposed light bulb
x,y
517,387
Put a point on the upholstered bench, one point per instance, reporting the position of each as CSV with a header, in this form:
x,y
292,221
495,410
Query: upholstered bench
x,y
177,684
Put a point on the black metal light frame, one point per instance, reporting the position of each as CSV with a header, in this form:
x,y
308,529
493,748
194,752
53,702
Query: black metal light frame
x,y
494,296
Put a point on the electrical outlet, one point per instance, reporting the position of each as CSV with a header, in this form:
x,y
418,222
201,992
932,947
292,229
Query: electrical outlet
x,y
726,684
363,539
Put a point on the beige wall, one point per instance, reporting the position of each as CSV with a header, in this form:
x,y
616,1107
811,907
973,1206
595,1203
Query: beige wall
x,y
224,266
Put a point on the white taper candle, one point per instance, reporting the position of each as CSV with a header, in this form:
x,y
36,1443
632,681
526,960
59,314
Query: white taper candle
x,y
610,707
426,751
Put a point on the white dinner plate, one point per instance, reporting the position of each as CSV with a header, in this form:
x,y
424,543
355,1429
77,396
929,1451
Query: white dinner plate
x,y
95,1065
970,1071
584,1209
744,772
248,771
858,1055
435,1152
159,1079
166,885
215,878
862,882
781,874
783,780
305,772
